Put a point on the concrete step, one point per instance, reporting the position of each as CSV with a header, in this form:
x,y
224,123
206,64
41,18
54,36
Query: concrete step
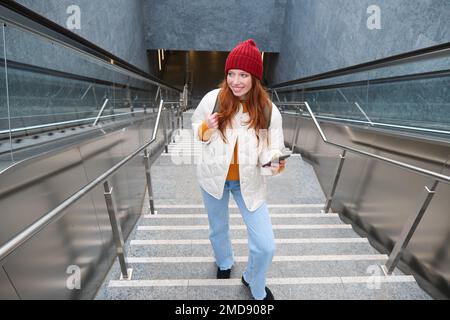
x,y
305,291
243,227
199,208
235,218
160,268
369,286
305,231
202,247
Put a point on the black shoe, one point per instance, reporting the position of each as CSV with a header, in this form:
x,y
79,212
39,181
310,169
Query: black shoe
x,y
223,274
244,282
269,295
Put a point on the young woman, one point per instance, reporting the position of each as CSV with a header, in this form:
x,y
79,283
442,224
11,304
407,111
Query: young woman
x,y
236,143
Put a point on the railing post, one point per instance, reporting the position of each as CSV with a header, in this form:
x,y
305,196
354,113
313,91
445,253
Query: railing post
x,y
112,112
297,128
166,148
276,95
335,181
177,122
172,112
409,229
157,93
149,181
182,121
116,231
180,113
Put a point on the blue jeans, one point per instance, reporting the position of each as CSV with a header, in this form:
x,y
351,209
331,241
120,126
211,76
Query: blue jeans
x,y
261,242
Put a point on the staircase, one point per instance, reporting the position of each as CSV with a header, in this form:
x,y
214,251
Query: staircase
x,y
317,255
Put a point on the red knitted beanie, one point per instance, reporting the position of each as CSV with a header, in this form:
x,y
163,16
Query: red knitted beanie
x,y
245,56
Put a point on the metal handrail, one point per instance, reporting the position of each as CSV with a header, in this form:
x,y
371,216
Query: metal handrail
x,y
364,113
24,19
101,111
374,124
157,92
413,221
58,212
435,175
388,125
171,102
85,92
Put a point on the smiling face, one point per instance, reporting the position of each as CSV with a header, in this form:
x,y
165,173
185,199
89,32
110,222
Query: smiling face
x,y
239,81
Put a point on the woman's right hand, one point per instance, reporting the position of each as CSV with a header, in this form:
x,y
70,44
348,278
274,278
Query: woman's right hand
x,y
213,121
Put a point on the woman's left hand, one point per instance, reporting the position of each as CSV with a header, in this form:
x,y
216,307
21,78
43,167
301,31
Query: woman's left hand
x,y
278,167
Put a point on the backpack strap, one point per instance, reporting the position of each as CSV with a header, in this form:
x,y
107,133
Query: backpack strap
x,y
216,105
268,114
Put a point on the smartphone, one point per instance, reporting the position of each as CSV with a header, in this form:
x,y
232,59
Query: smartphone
x,y
282,157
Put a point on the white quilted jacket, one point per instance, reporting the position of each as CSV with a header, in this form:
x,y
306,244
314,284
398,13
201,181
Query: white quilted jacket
x,y
212,168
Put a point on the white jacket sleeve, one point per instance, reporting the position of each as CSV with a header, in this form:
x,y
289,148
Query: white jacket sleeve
x,y
202,111
276,139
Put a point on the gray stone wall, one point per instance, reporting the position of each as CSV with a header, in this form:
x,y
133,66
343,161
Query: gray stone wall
x,y
114,25
213,25
324,35
311,36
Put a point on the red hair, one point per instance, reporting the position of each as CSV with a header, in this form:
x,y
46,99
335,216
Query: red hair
x,y
257,99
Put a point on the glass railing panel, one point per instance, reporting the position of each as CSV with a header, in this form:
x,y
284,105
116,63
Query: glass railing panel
x,y
5,138
333,104
56,91
51,85
340,103
410,96
38,99
415,105
419,103
143,99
